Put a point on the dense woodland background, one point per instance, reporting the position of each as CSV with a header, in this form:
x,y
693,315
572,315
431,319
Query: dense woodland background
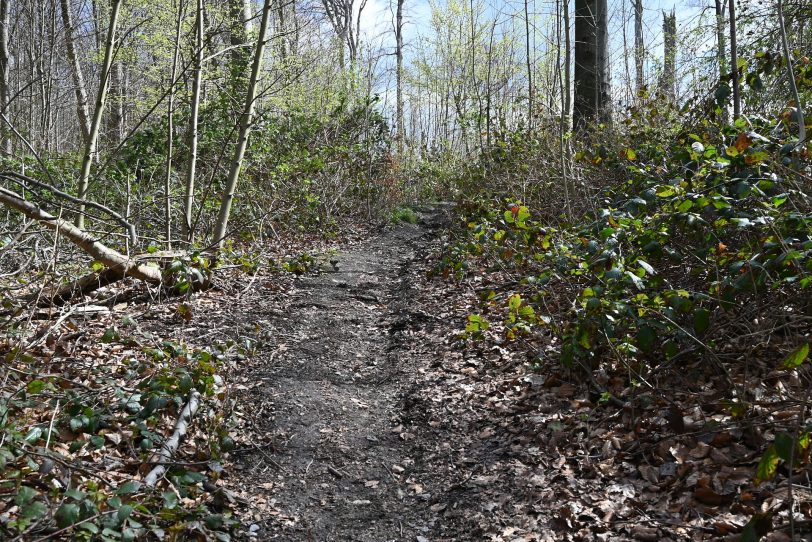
x,y
632,183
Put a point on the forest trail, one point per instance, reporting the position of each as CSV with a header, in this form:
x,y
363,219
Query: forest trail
x,y
328,389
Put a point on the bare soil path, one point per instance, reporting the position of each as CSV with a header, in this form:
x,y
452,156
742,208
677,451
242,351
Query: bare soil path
x,y
326,398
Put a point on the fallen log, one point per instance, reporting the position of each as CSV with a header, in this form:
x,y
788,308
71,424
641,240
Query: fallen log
x,y
170,446
118,265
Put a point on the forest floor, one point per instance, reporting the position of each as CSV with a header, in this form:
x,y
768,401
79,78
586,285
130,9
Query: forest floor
x,y
363,416
360,412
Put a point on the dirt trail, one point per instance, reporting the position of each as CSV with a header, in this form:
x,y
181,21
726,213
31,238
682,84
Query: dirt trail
x,y
334,372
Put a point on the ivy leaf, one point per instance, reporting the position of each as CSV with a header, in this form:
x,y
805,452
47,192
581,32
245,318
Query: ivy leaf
x,y
476,324
646,337
796,357
67,514
701,320
35,386
128,487
767,466
783,446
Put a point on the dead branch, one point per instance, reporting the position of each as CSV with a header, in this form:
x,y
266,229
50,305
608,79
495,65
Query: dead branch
x,y
117,263
171,445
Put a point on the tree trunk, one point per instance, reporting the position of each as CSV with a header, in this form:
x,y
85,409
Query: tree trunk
x,y
246,120
80,90
668,81
734,61
592,101
170,129
639,47
189,193
799,109
566,85
117,92
399,75
528,58
4,73
93,135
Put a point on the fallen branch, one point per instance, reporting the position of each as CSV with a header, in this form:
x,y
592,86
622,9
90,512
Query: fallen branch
x,y
117,263
171,445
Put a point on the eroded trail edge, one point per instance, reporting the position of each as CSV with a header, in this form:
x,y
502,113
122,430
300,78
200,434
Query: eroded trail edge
x,y
326,396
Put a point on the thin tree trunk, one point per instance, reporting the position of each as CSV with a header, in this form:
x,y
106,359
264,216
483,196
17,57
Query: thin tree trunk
x,y
246,120
399,74
170,130
799,109
189,193
639,47
80,90
93,135
566,85
4,71
527,52
734,61
721,49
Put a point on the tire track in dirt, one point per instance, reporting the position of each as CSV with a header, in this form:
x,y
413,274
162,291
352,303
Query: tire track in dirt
x,y
332,381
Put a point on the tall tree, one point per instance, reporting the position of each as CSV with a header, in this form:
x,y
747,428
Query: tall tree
x,y
5,23
246,121
101,99
592,100
668,80
82,109
734,60
189,192
639,46
399,75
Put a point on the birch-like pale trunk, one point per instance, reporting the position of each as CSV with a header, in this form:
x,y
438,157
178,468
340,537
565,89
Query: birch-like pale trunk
x,y
189,192
734,61
399,75
93,135
170,129
246,120
82,109
799,109
4,72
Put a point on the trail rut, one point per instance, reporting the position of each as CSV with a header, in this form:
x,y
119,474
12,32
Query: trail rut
x,y
334,372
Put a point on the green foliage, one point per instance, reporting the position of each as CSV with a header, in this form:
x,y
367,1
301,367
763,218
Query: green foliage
x,y
404,214
120,411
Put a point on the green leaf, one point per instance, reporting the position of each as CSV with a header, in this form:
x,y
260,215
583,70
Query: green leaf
x,y
767,466
476,324
514,302
170,499
123,513
783,446
67,514
128,487
96,266
701,320
35,386
796,357
646,337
